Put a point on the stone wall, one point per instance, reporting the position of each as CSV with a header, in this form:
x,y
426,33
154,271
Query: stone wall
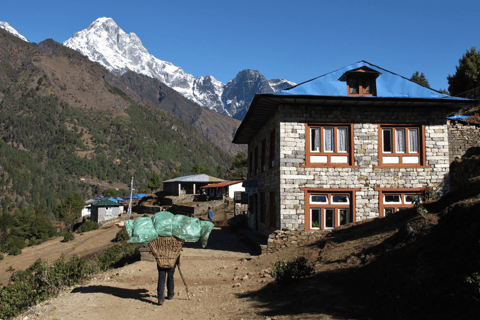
x,y
267,179
290,173
461,137
279,240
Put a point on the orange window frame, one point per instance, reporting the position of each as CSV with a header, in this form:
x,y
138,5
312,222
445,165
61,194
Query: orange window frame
x,y
308,192
421,146
403,192
322,126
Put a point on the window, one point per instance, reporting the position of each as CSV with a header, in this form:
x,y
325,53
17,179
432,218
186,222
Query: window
x,y
273,209
329,145
255,169
262,160
328,209
262,207
361,82
361,86
401,146
392,201
250,165
272,149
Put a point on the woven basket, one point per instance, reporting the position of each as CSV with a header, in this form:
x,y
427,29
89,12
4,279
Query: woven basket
x,y
166,250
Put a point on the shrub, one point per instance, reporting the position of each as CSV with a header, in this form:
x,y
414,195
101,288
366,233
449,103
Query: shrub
x,y
88,225
285,272
121,235
68,236
14,245
473,282
1,257
42,281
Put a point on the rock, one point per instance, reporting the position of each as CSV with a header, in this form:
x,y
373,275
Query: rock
x,y
237,285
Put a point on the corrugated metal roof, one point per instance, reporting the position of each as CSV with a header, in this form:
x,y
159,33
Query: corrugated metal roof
x,y
388,85
221,184
195,178
105,203
331,89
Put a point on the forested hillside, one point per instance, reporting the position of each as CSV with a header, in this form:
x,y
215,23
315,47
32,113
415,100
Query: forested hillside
x,y
63,128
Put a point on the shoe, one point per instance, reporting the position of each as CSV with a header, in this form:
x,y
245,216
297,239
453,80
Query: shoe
x,y
160,302
170,297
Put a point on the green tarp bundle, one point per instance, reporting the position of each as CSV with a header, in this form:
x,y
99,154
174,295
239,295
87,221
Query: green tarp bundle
x,y
165,224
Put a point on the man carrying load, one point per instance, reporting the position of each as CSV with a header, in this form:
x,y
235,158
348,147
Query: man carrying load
x,y
165,234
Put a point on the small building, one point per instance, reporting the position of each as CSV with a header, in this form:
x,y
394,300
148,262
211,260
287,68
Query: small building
x,y
188,184
220,189
104,210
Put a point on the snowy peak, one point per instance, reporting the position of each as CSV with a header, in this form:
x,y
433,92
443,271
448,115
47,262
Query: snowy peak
x,y
4,25
106,43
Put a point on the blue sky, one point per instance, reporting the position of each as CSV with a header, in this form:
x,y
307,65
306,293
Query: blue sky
x,y
293,40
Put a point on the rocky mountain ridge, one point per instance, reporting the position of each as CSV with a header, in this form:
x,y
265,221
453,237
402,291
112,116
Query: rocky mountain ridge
x,y
106,43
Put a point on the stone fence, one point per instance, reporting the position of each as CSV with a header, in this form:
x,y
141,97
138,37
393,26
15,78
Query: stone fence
x,y
462,136
291,238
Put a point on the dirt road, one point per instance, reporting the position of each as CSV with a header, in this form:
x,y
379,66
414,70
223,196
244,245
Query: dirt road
x,y
130,292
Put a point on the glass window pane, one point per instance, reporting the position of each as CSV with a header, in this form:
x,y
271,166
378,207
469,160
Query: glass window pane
x,y
315,137
392,198
389,211
387,140
329,218
353,85
319,198
315,218
413,140
342,140
340,198
366,84
343,216
412,198
328,136
400,142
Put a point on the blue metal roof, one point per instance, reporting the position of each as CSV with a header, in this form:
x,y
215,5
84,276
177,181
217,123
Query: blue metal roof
x,y
331,89
388,85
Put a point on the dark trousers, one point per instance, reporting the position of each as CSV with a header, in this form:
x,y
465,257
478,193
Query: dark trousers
x,y
162,272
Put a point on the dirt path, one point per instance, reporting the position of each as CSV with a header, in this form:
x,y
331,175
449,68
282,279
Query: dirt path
x,y
130,292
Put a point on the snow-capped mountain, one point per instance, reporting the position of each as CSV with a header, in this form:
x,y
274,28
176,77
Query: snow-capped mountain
x,y
4,25
106,43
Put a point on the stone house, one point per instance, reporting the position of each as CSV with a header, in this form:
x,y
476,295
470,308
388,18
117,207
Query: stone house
x,y
357,143
104,210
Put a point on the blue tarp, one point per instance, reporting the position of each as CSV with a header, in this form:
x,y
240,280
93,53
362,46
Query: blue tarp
x,y
136,196
458,117
112,199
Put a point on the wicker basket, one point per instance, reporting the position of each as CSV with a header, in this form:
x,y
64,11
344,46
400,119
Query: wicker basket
x,y
166,250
